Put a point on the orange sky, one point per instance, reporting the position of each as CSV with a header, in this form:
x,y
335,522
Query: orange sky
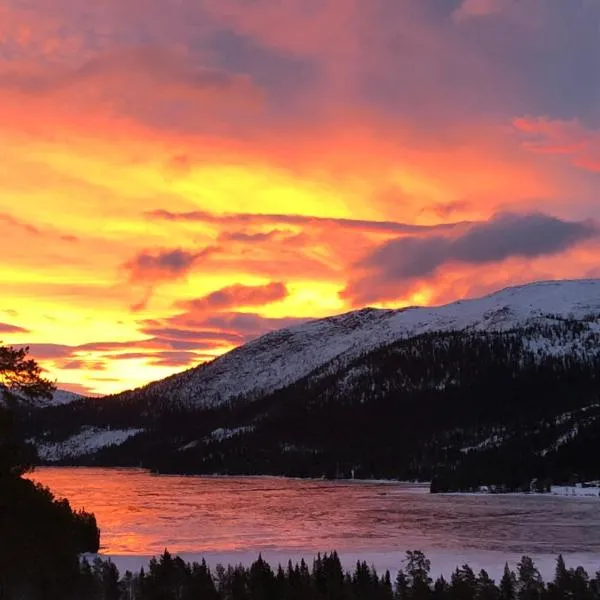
x,y
178,180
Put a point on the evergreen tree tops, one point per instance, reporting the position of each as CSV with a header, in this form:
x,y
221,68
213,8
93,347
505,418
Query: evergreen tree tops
x,y
170,578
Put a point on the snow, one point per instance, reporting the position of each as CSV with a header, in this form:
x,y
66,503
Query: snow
x,y
222,433
59,397
89,440
562,440
282,357
490,442
575,491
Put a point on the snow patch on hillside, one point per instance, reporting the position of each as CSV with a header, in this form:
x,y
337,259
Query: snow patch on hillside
x,y
63,397
223,433
579,491
87,441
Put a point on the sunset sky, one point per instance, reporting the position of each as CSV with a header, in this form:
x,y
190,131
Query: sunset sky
x,y
180,176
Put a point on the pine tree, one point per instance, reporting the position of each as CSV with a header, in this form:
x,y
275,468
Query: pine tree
x,y
418,568
402,586
463,584
486,588
508,584
529,582
441,589
580,583
20,379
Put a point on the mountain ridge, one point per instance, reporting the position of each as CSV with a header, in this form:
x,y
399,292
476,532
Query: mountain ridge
x,y
493,391
281,357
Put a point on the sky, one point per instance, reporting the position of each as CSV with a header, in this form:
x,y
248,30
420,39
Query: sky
x,y
177,178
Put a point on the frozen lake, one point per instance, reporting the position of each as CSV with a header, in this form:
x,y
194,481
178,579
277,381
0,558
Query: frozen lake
x,y
233,519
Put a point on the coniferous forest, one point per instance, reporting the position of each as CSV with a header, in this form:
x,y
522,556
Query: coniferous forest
x,y
461,409
170,578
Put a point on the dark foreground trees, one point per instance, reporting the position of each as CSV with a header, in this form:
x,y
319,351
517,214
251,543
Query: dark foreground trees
x,y
170,578
40,537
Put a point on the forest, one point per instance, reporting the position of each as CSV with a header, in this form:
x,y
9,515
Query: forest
x,y
170,578
464,409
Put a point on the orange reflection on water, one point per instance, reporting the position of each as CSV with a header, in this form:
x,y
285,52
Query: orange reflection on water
x,y
140,514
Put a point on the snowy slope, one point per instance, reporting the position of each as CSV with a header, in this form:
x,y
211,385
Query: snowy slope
x,y
283,357
59,398
85,442
63,397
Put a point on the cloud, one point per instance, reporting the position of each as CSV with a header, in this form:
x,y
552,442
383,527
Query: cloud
x,y
9,220
291,219
250,325
152,84
7,328
164,265
479,8
237,296
81,364
397,262
569,138
209,322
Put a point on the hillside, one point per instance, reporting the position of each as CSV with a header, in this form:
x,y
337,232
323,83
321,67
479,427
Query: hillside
x,y
496,390
282,357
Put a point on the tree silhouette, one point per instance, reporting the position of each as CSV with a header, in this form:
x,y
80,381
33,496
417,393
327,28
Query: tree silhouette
x,y
22,376
20,380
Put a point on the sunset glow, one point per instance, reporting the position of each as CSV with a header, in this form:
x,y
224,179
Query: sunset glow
x,y
176,181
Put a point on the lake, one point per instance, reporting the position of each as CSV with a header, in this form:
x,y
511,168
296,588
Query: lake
x,y
235,518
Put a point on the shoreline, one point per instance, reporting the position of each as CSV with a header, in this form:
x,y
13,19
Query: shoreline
x,y
557,491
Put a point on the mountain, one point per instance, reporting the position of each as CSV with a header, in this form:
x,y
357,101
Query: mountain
x,y
497,391
282,357
59,397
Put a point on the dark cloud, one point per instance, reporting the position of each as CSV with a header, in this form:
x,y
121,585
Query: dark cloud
x,y
242,236
238,295
6,328
78,364
504,236
49,351
164,265
166,67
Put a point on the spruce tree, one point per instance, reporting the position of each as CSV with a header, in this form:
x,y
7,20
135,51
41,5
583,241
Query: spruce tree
x,y
529,582
486,588
508,584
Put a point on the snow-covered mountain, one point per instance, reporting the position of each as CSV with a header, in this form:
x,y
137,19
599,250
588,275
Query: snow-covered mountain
x,y
63,397
506,386
59,397
280,358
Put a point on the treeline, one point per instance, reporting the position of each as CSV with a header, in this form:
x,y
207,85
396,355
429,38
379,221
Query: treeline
x,y
170,578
